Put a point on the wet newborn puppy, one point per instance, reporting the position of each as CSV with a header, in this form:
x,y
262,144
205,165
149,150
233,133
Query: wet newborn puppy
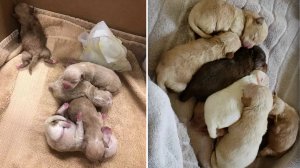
x,y
224,107
239,147
177,66
200,140
211,16
283,132
99,76
100,98
32,36
219,74
98,142
62,134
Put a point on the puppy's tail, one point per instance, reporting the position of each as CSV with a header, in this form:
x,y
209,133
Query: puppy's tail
x,y
197,29
185,95
33,63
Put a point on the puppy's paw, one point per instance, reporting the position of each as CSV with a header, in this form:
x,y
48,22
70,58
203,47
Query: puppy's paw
x,y
79,117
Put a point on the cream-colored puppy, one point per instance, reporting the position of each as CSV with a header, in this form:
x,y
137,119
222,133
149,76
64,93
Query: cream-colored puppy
x,y
177,66
100,76
210,16
283,131
224,107
239,147
62,134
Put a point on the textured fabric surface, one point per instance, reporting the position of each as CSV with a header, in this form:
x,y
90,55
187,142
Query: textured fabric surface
x,y
168,26
26,101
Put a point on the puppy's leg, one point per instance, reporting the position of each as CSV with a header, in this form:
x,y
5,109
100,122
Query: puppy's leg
x,y
46,55
63,109
268,152
26,58
79,129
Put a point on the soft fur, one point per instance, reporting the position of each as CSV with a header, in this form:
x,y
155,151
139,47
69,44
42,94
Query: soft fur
x,y
200,140
100,98
32,36
239,147
178,65
224,107
282,132
101,77
98,142
211,16
216,75
62,134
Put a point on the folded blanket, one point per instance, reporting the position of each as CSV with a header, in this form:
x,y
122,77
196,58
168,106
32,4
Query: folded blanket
x,y
25,101
168,26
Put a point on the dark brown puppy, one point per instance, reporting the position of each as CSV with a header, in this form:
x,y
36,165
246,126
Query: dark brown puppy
x,y
32,36
216,75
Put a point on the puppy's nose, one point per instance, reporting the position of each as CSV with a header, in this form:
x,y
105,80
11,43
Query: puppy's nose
x,y
66,86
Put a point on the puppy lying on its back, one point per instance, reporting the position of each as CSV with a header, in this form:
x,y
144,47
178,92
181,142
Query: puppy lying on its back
x,y
177,66
211,16
217,75
283,132
239,147
33,38
224,107
99,76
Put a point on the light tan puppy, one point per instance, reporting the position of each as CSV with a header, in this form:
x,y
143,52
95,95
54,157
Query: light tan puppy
x,y
239,147
283,131
200,140
62,134
98,142
99,98
32,36
101,77
211,16
177,66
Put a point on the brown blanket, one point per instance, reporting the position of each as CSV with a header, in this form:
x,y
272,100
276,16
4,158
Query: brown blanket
x,y
25,101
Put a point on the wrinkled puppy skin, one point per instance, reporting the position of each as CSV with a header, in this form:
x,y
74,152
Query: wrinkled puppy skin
x,y
177,66
100,76
211,16
282,132
219,74
98,142
239,147
62,134
32,37
201,142
100,98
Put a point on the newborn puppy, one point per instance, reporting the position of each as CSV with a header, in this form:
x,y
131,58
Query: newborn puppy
x,y
62,134
99,76
216,75
211,16
99,98
98,142
178,65
283,132
32,36
224,107
200,140
239,147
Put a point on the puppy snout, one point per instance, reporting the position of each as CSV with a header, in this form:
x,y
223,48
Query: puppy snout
x,y
66,85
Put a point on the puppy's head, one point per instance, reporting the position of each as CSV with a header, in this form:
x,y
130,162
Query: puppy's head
x,y
278,105
259,58
230,41
54,127
71,78
256,94
255,30
103,97
261,78
23,12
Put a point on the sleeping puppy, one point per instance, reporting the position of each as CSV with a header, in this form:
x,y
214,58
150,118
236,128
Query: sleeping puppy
x,y
98,142
101,77
100,98
178,65
32,36
211,16
224,107
62,134
200,140
216,75
239,147
283,132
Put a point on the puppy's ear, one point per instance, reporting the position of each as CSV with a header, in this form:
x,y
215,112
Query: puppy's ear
x,y
260,20
82,77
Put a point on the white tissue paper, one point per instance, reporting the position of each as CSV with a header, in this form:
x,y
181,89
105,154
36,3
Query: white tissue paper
x,y
101,47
